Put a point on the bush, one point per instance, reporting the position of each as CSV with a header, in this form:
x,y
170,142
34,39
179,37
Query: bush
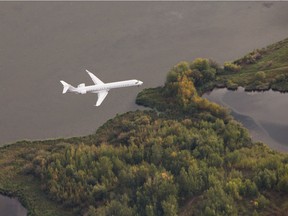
x,y
250,58
231,85
200,64
262,202
260,75
171,76
230,67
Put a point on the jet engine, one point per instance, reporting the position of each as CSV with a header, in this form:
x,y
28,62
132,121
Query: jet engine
x,y
81,85
81,89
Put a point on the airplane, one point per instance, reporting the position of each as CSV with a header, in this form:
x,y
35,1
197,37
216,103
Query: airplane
x,y
100,87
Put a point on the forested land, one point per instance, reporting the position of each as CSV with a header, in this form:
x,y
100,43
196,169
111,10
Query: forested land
x,y
183,156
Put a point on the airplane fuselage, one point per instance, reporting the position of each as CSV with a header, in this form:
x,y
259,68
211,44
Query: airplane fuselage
x,y
100,87
106,86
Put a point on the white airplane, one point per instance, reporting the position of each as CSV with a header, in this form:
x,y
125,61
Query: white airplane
x,y
100,87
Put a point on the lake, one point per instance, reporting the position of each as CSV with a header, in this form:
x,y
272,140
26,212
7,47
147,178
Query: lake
x,y
11,207
263,113
42,43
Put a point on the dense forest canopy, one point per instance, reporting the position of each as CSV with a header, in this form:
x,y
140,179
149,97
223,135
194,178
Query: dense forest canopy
x,y
154,163
183,156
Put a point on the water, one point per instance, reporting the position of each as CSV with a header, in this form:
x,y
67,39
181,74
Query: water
x,y
263,113
11,207
44,42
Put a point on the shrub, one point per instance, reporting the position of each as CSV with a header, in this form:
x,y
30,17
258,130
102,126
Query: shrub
x,y
230,67
260,75
200,64
250,58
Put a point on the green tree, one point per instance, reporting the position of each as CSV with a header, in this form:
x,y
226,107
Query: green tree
x,y
191,182
154,191
217,202
170,206
266,179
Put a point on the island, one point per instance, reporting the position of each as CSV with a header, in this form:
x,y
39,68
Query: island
x,y
183,156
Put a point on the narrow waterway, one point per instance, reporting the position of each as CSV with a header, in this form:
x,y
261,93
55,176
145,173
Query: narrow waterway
x,y
11,207
263,113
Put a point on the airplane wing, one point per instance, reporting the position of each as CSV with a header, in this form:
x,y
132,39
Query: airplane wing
x,y
101,97
94,78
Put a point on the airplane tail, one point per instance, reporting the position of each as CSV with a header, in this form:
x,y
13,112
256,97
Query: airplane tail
x,y
66,87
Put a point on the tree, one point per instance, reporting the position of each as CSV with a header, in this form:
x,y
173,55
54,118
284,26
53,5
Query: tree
x,y
283,183
186,91
266,179
191,182
248,189
155,190
170,206
217,202
156,153
233,187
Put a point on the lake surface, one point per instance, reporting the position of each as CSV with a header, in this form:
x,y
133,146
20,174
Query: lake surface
x,y
263,113
11,207
44,42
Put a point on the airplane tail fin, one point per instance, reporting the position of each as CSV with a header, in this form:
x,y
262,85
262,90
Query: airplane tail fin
x,y
66,87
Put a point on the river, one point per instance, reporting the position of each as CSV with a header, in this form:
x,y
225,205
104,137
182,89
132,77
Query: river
x,y
263,113
11,207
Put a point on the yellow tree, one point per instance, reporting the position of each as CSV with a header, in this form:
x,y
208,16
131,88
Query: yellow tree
x,y
186,91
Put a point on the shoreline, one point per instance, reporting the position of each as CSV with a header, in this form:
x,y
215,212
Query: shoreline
x,y
270,140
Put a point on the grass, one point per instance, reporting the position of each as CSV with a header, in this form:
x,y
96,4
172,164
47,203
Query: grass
x,y
273,62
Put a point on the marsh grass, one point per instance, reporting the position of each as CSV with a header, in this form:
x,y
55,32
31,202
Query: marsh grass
x,y
273,62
